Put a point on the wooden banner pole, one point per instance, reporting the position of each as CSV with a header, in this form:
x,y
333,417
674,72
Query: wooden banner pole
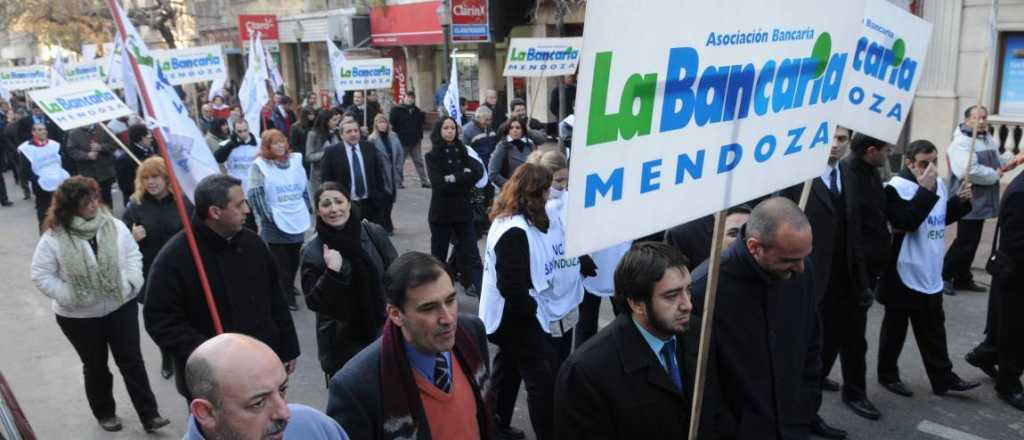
x,y
706,321
119,143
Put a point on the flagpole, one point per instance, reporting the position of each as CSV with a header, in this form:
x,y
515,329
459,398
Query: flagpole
x,y
119,143
178,197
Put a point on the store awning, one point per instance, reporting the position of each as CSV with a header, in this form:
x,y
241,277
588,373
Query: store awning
x,y
410,24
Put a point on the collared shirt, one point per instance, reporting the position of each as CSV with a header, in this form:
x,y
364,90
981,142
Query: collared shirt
x,y
655,343
349,150
423,363
305,423
827,177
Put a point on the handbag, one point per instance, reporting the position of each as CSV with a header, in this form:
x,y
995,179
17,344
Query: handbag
x,y
999,263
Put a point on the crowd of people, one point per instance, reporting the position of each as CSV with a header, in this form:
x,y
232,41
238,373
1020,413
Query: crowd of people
x,y
311,198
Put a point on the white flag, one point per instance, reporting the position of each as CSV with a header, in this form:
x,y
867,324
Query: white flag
x,y
451,97
337,59
188,151
57,69
5,94
119,73
253,91
274,75
217,87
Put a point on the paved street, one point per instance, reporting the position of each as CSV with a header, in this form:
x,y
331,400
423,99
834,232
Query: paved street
x,y
45,373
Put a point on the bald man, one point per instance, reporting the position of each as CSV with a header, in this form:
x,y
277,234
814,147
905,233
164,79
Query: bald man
x,y
239,388
765,347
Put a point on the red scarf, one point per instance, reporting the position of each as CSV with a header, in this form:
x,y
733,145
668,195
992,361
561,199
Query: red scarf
x,y
37,143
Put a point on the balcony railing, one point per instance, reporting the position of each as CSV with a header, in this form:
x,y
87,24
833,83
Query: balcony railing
x,y
1008,131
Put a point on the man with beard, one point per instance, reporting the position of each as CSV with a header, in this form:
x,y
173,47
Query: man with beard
x,y
240,393
765,346
634,379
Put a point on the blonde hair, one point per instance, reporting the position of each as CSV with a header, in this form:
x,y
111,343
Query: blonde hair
x,y
151,167
553,160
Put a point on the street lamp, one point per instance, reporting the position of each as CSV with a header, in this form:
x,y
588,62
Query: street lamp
x,y
299,31
444,17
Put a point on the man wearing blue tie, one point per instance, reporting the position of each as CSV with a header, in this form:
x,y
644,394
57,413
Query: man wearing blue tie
x,y
634,378
354,164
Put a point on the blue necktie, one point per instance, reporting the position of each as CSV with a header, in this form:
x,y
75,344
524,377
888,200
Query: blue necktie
x,y
442,379
357,170
668,353
834,183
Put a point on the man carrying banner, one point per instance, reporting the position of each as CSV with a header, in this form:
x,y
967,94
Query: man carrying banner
x,y
763,290
919,206
93,152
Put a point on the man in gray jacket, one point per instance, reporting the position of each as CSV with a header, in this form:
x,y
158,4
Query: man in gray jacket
x,y
92,149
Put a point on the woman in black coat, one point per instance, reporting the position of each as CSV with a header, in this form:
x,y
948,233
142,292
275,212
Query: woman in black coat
x,y
153,219
343,269
453,174
140,142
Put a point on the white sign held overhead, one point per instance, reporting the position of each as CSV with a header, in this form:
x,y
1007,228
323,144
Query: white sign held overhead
x,y
365,74
192,64
93,70
78,104
543,56
886,65
24,77
680,116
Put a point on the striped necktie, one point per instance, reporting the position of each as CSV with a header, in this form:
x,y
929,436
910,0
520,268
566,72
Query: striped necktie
x,y
442,377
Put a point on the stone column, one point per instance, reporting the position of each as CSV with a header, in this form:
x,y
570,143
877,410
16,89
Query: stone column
x,y
421,63
488,74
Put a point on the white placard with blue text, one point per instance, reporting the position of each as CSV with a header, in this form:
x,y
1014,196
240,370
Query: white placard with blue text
x,y
543,56
88,71
680,114
24,77
887,63
365,74
76,104
192,64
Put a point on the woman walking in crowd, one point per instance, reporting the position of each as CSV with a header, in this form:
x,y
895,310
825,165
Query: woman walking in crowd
x,y
219,132
453,173
323,133
343,268
89,265
280,198
518,260
392,157
300,131
153,219
511,152
140,143
41,164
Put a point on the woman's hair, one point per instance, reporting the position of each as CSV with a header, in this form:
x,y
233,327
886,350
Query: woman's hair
x,y
267,139
553,160
328,186
217,127
380,117
68,199
435,133
304,115
322,120
136,133
524,193
151,167
503,129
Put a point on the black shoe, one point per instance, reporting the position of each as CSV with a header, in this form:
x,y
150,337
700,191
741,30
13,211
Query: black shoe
x,y
293,307
511,433
27,196
1015,400
822,429
427,185
958,385
947,288
863,408
6,202
974,358
111,424
969,286
829,385
155,423
898,388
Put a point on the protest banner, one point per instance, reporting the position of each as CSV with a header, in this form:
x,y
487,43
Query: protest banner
x,y
93,70
365,74
24,77
682,117
886,64
543,56
252,94
78,104
192,64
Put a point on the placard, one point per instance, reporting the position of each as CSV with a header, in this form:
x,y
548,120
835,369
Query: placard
x,y
543,56
77,104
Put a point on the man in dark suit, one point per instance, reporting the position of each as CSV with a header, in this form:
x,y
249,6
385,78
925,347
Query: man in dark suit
x,y
1010,295
355,165
693,238
635,378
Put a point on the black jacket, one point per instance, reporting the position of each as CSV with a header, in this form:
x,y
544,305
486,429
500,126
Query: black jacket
x,y
125,166
330,293
222,153
450,201
693,239
868,229
78,147
825,222
907,215
162,222
243,278
570,101
766,344
335,168
1011,236
408,121
614,387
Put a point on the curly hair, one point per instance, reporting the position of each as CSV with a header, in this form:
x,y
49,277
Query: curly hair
x,y
267,139
525,193
151,167
68,199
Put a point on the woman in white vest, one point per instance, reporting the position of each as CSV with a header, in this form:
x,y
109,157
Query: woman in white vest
x,y
518,270
919,206
41,162
88,264
560,305
279,195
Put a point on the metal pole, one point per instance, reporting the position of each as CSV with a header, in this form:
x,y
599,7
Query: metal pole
x,y
300,84
562,113
446,29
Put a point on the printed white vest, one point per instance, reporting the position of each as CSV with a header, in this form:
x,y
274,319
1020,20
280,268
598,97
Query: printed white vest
x,y
919,264
45,163
492,303
239,161
284,188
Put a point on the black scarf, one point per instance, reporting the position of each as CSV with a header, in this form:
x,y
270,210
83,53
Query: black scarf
x,y
366,278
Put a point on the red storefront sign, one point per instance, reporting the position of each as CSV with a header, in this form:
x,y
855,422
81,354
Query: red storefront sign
x,y
411,24
265,24
470,21
401,72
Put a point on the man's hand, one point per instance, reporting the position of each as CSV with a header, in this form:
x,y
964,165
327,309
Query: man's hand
x,y
93,146
138,232
290,366
927,179
964,193
92,155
